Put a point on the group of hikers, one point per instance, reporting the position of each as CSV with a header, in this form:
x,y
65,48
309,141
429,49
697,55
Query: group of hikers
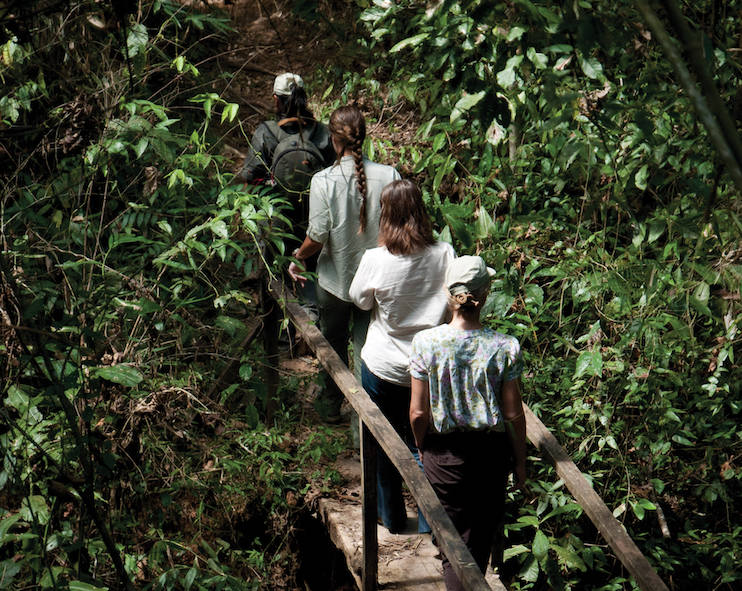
x,y
412,308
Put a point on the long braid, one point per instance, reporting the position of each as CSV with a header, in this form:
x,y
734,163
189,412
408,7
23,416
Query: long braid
x,y
348,127
360,182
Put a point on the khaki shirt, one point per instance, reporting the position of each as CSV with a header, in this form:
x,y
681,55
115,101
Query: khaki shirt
x,y
334,219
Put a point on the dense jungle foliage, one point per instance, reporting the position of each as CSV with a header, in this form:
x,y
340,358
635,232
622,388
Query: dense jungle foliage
x,y
139,447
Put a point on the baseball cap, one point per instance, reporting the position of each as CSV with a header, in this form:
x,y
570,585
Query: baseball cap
x,y
468,274
284,83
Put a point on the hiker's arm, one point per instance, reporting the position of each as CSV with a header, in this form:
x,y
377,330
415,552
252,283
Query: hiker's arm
x,y
307,249
515,424
420,411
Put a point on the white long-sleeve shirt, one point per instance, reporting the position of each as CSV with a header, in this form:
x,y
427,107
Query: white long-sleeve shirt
x,y
407,294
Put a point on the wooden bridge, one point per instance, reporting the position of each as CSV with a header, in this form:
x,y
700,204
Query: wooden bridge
x,y
376,431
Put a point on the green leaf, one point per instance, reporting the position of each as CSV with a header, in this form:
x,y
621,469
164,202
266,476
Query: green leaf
x,y
485,227
80,586
439,141
702,292
537,59
530,570
190,577
8,570
141,146
590,363
514,551
245,372
656,229
220,229
591,67
540,547
534,295
641,177
229,325
126,375
136,40
465,103
35,509
409,42
515,33
569,558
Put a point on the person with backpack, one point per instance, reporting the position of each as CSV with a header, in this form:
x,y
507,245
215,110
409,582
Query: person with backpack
x,y
401,282
286,152
466,412
344,208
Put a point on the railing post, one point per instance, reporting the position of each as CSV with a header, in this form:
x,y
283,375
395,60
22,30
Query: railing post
x,y
369,449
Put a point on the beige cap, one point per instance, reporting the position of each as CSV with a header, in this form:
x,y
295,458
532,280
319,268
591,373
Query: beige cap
x,y
468,274
284,83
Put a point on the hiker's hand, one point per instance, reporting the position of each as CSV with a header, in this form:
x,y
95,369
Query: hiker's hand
x,y
295,272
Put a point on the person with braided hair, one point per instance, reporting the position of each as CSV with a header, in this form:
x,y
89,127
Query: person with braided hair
x,y
344,209
466,413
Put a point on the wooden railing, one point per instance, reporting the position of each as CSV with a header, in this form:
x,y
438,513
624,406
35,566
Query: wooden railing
x,y
376,431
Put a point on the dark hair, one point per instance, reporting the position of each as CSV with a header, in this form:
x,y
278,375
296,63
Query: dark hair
x,y
348,127
404,225
294,105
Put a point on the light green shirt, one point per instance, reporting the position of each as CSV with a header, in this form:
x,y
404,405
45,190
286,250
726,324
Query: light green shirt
x,y
334,219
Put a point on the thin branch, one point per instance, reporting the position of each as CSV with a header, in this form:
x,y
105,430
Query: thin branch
x,y
694,52
689,85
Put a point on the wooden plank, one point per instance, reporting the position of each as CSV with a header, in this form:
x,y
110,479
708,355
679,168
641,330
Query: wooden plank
x,y
608,526
370,510
448,538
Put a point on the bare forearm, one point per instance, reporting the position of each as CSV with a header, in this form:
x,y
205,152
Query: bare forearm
x,y
419,410
516,429
307,249
419,424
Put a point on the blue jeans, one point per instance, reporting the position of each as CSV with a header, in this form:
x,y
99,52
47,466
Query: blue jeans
x,y
394,401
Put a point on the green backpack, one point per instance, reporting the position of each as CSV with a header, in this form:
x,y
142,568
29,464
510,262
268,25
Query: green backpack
x,y
296,158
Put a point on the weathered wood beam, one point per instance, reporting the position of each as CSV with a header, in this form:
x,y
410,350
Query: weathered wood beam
x,y
608,526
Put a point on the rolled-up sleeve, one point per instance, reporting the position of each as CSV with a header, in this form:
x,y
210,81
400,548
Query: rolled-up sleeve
x,y
514,367
418,370
320,219
361,289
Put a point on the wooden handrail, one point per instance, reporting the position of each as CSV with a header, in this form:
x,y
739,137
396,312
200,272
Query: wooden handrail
x,y
378,426
608,526
446,535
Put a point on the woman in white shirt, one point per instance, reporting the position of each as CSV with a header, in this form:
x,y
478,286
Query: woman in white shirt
x,y
402,283
344,207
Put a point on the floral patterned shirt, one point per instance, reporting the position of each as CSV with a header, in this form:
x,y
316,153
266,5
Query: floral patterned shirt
x,y
465,370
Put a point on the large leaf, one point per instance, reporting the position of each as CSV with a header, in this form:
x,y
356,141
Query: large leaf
x,y
590,363
540,547
125,375
413,41
136,40
465,103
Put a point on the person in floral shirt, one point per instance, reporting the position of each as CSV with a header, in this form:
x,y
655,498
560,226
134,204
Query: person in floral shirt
x,y
466,412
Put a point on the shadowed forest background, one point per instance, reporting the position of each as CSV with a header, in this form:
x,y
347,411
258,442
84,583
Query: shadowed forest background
x,y
560,140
